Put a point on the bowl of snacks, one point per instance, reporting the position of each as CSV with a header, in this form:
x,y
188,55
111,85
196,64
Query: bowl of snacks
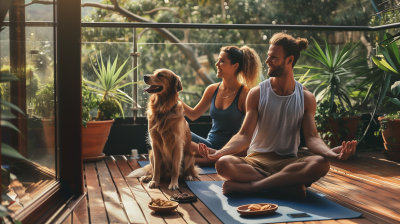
x,y
184,197
257,209
160,205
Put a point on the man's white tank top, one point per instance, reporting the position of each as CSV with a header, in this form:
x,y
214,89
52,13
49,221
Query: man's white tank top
x,y
279,121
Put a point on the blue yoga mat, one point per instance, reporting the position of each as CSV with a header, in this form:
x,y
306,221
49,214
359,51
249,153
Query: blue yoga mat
x,y
224,207
206,170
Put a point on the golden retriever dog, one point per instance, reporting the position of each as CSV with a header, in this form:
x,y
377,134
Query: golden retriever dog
x,y
169,133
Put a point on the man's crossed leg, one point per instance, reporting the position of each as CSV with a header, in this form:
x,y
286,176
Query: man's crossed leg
x,y
292,179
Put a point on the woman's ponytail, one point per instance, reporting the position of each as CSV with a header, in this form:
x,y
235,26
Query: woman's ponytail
x,y
249,64
250,73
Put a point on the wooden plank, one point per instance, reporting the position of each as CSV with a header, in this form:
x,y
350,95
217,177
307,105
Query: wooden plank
x,y
329,222
216,177
367,184
378,197
110,195
68,220
338,199
365,171
173,217
131,207
373,215
80,214
365,175
364,199
354,221
139,192
202,208
97,209
186,210
204,177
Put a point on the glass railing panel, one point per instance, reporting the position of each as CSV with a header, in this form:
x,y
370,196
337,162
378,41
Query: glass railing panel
x,y
96,54
186,59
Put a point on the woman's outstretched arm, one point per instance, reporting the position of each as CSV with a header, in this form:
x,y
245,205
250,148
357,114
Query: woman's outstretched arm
x,y
203,105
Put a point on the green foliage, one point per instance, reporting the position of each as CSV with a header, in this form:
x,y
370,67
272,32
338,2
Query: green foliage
x,y
110,83
44,101
323,114
7,150
337,69
109,108
89,102
32,86
390,63
392,106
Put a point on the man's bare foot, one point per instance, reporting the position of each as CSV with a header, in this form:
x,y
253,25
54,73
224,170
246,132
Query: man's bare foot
x,y
298,191
229,187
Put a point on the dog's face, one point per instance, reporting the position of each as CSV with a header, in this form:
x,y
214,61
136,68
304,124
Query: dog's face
x,y
163,81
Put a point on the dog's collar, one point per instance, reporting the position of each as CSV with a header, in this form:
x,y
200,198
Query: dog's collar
x,y
176,104
170,110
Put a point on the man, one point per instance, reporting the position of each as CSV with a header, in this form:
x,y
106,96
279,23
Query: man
x,y
275,111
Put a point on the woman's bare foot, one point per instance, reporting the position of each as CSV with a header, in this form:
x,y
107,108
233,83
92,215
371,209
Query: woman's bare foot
x,y
298,191
229,187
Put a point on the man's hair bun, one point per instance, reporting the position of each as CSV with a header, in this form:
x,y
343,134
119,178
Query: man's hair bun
x,y
302,43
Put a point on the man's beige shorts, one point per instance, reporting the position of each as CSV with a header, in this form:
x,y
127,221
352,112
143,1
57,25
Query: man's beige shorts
x,y
269,163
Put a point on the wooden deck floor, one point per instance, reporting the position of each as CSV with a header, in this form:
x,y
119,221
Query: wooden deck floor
x,y
365,183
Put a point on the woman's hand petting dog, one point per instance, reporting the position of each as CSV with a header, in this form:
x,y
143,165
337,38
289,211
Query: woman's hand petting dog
x,y
208,153
344,151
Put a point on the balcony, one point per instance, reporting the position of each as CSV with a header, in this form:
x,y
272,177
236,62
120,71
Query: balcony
x,y
43,177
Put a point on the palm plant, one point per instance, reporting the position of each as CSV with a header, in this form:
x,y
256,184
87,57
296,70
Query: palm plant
x,y
109,86
389,63
379,78
6,115
333,76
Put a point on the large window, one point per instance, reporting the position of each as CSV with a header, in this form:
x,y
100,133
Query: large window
x,y
27,53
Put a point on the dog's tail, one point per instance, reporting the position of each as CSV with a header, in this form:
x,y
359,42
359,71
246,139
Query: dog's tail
x,y
146,170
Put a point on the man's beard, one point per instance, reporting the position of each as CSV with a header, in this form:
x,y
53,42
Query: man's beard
x,y
278,71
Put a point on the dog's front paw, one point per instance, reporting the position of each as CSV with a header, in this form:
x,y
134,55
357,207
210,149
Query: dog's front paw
x,y
152,184
189,178
145,179
173,186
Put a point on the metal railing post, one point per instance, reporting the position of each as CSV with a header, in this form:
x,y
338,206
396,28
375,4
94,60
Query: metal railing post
x,y
134,54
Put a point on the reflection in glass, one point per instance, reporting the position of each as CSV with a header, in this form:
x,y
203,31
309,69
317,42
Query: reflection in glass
x,y
27,53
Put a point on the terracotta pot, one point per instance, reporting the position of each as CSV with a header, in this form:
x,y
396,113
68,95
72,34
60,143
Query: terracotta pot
x,y
352,125
49,136
392,134
94,137
392,155
392,147
391,137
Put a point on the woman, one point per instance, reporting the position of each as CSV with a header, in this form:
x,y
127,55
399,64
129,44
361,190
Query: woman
x,y
239,69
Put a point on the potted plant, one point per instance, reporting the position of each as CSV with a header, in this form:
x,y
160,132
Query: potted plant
x,y
44,108
336,122
389,62
390,124
109,96
337,126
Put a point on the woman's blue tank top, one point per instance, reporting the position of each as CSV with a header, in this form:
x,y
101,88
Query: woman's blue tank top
x,y
225,123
